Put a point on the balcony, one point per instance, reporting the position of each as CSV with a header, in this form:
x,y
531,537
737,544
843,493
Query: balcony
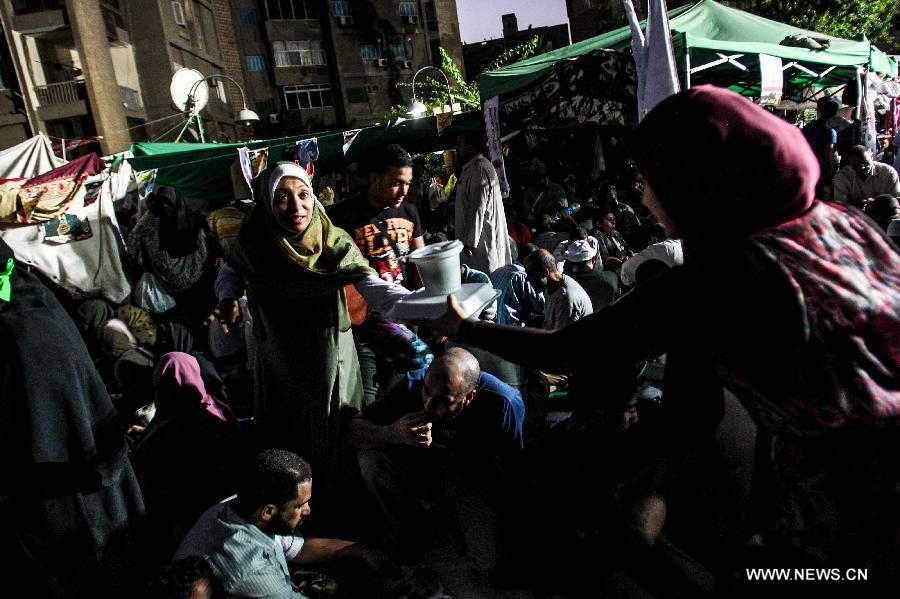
x,y
25,7
60,93
38,16
61,100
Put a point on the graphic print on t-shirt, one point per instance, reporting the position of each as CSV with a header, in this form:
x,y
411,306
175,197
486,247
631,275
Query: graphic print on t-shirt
x,y
374,246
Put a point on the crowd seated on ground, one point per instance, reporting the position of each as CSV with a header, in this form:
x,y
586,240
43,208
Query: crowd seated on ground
x,y
256,352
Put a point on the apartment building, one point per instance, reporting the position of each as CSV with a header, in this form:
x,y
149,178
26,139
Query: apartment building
x,y
80,68
314,65
103,67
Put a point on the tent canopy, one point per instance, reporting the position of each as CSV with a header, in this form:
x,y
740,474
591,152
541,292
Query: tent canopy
x,y
202,172
708,32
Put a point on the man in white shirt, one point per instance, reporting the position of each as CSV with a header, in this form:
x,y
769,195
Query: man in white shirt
x,y
480,216
863,179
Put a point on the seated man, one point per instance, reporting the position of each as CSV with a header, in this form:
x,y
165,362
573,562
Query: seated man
x,y
565,300
440,435
519,304
249,539
600,285
661,249
862,179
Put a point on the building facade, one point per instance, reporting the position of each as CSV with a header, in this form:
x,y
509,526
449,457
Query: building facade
x,y
341,63
303,65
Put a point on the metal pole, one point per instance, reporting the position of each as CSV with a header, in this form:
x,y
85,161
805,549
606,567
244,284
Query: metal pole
x,y
200,128
687,68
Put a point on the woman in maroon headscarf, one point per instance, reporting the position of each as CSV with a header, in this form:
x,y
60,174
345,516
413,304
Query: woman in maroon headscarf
x,y
791,303
187,456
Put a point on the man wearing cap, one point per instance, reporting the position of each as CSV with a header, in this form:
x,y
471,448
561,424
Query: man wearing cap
x,y
863,179
601,286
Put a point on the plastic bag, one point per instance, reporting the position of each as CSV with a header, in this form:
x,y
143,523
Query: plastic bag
x,y
436,194
150,296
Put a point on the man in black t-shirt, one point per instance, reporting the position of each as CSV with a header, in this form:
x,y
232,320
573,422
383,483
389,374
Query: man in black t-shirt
x,y
385,227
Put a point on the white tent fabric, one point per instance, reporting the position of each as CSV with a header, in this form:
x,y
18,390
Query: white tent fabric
x,y
90,266
28,159
653,56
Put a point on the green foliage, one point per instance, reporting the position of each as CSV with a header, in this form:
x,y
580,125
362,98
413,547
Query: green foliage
x,y
845,18
513,55
431,89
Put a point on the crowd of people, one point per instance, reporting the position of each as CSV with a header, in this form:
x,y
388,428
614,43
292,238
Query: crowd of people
x,y
688,371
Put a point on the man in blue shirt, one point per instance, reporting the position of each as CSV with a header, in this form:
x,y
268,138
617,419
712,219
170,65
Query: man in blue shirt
x,y
439,438
821,139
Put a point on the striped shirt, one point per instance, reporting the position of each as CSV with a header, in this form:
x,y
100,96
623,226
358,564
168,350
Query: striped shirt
x,y
247,561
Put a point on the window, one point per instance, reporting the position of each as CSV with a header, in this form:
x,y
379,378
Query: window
x,y
370,52
256,63
397,50
298,54
198,28
341,8
409,9
265,107
178,11
291,9
357,95
302,97
204,16
247,17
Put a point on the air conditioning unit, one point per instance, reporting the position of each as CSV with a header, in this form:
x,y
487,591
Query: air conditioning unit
x,y
381,63
411,19
274,118
345,20
371,89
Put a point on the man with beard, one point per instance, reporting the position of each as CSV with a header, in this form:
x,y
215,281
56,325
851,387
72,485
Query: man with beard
x,y
439,438
248,539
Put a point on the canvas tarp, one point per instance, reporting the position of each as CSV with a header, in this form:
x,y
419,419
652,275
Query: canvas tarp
x,y
202,172
28,159
704,30
90,266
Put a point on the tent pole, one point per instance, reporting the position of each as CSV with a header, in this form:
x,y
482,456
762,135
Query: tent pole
x,y
687,68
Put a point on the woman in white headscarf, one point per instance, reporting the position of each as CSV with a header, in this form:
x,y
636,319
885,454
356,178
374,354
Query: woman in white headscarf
x,y
295,264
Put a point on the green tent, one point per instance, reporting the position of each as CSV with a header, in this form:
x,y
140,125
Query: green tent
x,y
202,171
719,45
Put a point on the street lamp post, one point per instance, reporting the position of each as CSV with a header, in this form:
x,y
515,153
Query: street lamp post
x,y
416,108
245,117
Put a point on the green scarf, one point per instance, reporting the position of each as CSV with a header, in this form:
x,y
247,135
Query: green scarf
x,y
321,260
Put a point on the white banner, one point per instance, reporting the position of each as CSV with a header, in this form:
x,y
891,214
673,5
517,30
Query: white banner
x,y
492,134
772,80
654,57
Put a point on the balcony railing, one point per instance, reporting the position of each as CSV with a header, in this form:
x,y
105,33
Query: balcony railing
x,y
60,93
131,98
24,7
